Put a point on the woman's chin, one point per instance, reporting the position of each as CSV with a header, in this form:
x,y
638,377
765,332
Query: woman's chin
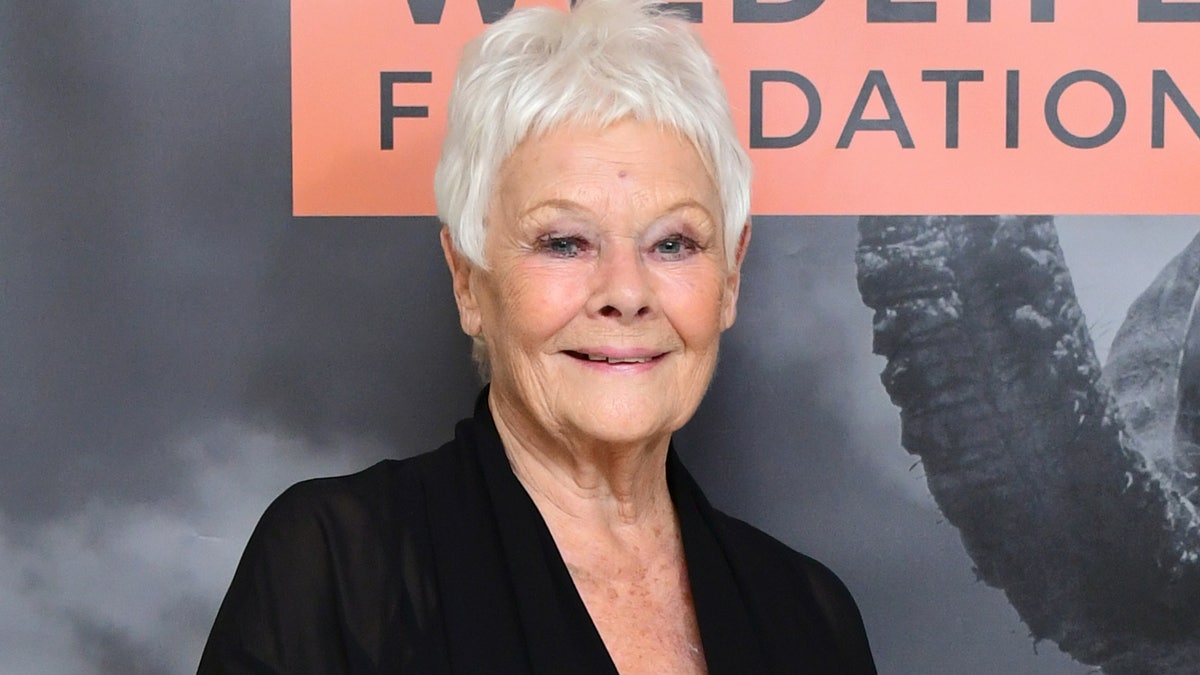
x,y
631,421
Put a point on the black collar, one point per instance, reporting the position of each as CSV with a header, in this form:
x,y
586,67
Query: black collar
x,y
556,628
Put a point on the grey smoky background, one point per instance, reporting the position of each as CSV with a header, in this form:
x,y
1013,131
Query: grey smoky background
x,y
175,349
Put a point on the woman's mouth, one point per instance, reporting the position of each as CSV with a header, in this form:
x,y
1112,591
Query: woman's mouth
x,y
613,358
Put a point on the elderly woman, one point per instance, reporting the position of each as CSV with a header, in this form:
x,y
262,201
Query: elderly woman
x,y
596,201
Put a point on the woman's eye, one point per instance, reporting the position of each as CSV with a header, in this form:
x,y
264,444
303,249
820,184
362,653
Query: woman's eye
x,y
675,246
563,247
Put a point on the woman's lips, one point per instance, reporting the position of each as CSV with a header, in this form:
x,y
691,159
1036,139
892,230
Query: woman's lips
x,y
615,356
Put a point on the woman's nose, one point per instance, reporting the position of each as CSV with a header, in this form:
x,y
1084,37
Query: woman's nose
x,y
622,287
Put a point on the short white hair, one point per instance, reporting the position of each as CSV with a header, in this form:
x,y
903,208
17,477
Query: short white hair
x,y
605,60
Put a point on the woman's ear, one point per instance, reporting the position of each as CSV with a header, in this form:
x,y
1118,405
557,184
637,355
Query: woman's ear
x,y
733,280
461,270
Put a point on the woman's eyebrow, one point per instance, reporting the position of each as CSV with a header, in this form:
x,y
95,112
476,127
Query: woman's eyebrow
x,y
686,204
559,206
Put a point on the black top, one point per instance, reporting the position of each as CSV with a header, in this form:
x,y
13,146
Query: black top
x,y
442,564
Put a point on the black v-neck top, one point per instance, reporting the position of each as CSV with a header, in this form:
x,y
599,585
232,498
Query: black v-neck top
x,y
442,564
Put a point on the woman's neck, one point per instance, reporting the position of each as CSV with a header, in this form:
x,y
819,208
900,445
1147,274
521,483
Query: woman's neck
x,y
588,481
610,513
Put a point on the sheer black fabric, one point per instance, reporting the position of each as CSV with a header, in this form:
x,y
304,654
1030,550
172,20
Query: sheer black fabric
x,y
442,564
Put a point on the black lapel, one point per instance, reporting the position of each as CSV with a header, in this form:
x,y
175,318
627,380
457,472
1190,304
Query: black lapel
x,y
483,631
731,643
563,638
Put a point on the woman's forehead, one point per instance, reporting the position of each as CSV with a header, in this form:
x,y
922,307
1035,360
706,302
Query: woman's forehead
x,y
593,160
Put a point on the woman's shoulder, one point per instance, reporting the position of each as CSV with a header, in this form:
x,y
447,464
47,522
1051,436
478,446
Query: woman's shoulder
x,y
775,558
363,485
785,582
322,546
390,488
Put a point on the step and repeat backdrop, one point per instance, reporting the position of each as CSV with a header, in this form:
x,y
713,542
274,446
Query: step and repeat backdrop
x,y
220,274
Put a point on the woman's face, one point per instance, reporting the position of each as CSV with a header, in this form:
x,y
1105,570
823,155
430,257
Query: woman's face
x,y
608,284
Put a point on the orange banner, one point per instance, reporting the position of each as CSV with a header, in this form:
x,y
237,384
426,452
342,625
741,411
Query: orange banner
x,y
848,106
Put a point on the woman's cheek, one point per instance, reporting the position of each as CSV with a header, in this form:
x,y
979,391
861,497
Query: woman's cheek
x,y
696,294
545,299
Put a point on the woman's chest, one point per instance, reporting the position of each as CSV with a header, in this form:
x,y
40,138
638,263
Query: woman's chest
x,y
647,622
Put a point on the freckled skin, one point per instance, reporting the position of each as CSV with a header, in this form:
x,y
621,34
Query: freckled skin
x,y
605,242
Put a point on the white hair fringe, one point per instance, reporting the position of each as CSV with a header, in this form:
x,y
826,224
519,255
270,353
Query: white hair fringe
x,y
603,61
